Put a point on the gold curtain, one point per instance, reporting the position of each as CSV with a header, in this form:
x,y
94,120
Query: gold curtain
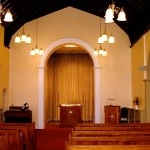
x,y
70,81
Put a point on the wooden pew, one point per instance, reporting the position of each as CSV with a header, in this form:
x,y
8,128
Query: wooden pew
x,y
109,133
127,140
13,139
27,133
3,142
107,147
110,124
113,128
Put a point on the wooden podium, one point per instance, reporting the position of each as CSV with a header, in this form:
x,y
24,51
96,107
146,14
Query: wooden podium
x,y
70,113
112,114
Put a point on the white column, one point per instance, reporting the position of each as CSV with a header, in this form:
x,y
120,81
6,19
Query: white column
x,y
97,94
41,111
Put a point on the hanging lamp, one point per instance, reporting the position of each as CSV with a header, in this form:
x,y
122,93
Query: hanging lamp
x,y
36,50
109,15
6,13
24,38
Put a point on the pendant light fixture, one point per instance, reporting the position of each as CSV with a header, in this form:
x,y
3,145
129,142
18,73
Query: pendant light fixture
x,y
100,51
100,39
109,15
105,37
24,38
36,50
6,13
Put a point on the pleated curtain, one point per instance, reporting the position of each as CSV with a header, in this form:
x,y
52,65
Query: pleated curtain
x,y
69,81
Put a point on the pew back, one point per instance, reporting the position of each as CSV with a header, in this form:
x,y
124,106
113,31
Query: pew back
x,y
113,128
13,139
109,133
3,141
110,124
107,147
135,140
27,133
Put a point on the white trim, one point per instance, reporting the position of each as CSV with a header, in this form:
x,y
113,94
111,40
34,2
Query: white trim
x,y
145,63
45,57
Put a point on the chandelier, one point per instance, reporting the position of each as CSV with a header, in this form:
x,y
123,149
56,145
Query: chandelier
x,y
6,13
100,51
36,50
105,37
112,9
24,38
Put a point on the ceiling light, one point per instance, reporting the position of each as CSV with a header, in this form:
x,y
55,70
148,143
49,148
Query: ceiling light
x,y
111,39
24,38
28,39
70,45
36,50
6,13
104,37
100,51
107,38
121,16
8,16
17,39
95,52
104,53
109,15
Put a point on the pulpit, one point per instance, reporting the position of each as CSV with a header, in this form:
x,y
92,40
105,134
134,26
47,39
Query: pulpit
x,y
70,113
112,114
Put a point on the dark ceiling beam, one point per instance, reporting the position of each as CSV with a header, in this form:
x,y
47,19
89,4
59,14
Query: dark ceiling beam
x,y
142,22
137,11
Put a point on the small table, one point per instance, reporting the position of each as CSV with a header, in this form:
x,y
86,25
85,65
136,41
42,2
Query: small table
x,y
18,116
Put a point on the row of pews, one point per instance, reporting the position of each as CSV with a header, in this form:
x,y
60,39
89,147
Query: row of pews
x,y
123,136
17,136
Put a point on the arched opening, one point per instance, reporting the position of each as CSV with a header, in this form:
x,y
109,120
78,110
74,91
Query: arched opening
x,y
42,67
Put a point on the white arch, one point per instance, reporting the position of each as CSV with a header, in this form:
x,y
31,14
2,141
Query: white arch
x,y
47,53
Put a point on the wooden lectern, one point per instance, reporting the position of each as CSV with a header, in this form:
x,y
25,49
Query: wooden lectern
x,y
112,114
70,113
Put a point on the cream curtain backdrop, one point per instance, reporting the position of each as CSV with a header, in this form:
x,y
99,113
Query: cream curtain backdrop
x,y
70,81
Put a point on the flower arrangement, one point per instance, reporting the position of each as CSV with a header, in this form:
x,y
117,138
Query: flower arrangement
x,y
136,101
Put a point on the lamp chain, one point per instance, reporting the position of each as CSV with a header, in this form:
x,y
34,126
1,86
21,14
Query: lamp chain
x,y
100,26
36,32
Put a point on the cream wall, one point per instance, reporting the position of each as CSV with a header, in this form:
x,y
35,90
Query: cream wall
x,y
4,70
115,73
140,84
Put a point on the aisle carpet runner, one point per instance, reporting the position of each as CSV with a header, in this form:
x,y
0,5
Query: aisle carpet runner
x,y
52,138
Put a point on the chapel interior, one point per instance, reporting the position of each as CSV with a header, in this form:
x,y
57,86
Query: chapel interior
x,y
64,74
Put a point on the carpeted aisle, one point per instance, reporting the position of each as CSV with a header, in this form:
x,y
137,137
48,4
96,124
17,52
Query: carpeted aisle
x,y
52,138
